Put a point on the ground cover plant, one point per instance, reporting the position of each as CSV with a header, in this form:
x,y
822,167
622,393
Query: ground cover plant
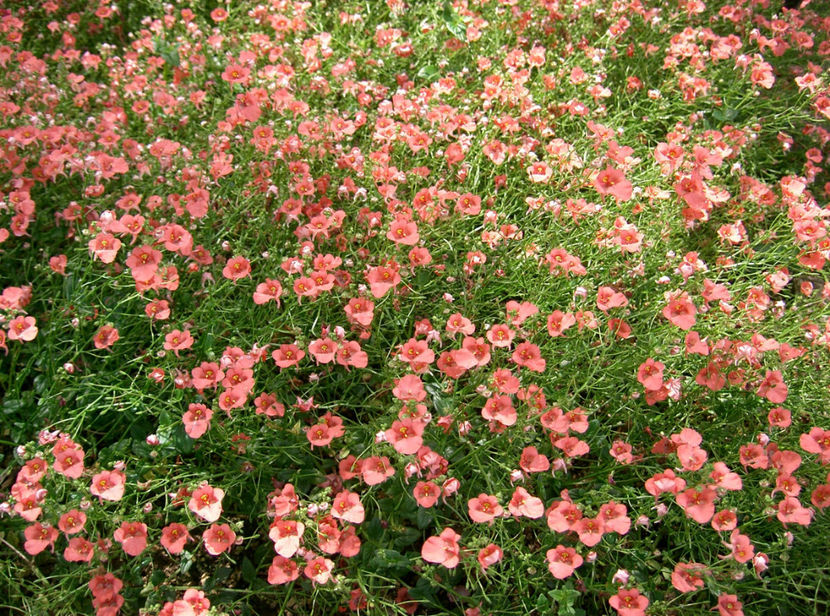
x,y
475,307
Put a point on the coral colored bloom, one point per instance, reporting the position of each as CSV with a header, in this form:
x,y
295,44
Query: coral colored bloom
x,y
286,535
237,268
268,291
106,336
318,570
426,494
39,537
442,549
347,507
178,340
174,536
196,420
532,461
79,550
206,502
484,508
562,561
817,441
612,182
218,538
489,555
108,485
650,374
728,605
132,536
687,577
629,602
287,355
72,522
524,504
699,505
680,311
282,570
405,436
773,387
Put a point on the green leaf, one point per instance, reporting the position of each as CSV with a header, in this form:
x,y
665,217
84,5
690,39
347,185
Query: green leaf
x,y
248,571
428,73
389,561
424,518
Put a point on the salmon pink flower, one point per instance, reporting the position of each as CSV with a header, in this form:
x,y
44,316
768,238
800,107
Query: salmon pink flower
x,y
108,485
375,470
790,511
559,321
742,548
724,520
197,420
323,350
360,311
608,298
350,354
489,555
318,570
817,441
236,73
529,356
650,374
282,571
79,550
442,549
319,435
237,268
532,461
143,263
698,505
500,408
72,522
409,387
178,340
381,279
70,462
39,537
347,507
206,502
728,605
459,323
22,328
773,387
562,561
218,538
405,436
105,247
524,504
611,181
614,518
106,336
286,535
680,311
629,602
687,577
132,536
426,494
174,536
590,530
500,336
287,355
268,291
484,508
403,231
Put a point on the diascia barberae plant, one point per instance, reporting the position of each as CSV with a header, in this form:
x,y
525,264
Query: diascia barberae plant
x,y
485,307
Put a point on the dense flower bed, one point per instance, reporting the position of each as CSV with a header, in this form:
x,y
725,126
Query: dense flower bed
x,y
474,307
